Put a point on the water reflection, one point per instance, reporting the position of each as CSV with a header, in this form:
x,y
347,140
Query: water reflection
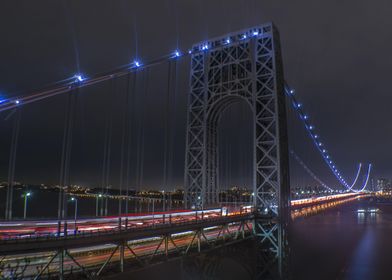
x,y
315,209
367,218
351,241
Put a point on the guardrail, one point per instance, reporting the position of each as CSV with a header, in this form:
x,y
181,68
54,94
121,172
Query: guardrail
x,y
141,228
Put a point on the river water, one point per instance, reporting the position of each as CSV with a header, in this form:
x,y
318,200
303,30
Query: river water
x,y
341,243
335,244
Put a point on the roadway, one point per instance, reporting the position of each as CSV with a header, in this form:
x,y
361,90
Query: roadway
x,y
93,257
92,243
38,228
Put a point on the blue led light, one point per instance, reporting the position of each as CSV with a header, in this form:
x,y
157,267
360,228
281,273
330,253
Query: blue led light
x,y
306,117
79,78
204,47
311,127
137,64
176,53
2,100
316,136
228,41
292,91
17,101
255,33
320,144
244,36
190,51
324,150
299,105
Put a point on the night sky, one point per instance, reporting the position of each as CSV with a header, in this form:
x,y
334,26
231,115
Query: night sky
x,y
336,55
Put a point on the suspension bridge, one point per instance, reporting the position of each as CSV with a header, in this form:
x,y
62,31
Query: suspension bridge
x,y
244,66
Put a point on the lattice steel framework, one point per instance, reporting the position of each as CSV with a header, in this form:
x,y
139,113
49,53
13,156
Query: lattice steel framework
x,y
246,66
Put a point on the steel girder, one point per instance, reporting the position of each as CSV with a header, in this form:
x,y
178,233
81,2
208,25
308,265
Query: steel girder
x,y
245,66
127,255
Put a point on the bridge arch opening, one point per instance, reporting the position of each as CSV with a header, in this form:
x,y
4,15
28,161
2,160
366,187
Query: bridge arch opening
x,y
235,158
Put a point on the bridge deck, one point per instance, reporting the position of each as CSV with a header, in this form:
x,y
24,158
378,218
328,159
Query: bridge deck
x,y
54,243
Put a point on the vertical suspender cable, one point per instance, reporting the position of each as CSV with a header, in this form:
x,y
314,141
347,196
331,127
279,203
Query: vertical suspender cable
x,y
129,140
124,141
172,127
12,162
106,151
166,126
69,148
140,134
61,183
108,156
66,152
106,134
144,98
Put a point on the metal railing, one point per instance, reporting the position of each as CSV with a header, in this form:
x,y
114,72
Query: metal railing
x,y
123,229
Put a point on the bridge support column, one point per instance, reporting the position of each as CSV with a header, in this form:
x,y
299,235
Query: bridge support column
x,y
61,264
199,241
122,255
167,245
248,69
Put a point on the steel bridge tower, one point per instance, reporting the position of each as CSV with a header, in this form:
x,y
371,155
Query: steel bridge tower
x,y
242,66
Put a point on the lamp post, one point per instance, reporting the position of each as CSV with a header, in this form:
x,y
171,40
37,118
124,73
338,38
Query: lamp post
x,y
26,195
153,210
97,203
76,211
163,201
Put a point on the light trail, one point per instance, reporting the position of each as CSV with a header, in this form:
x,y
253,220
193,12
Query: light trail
x,y
33,229
92,257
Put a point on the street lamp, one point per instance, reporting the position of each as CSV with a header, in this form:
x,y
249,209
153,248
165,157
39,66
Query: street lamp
x,y
96,204
163,200
26,195
76,210
153,214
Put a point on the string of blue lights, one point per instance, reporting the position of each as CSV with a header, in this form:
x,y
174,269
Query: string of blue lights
x,y
79,80
320,146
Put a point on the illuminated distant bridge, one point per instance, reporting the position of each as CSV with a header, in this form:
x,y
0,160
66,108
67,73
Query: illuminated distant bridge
x,y
244,66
